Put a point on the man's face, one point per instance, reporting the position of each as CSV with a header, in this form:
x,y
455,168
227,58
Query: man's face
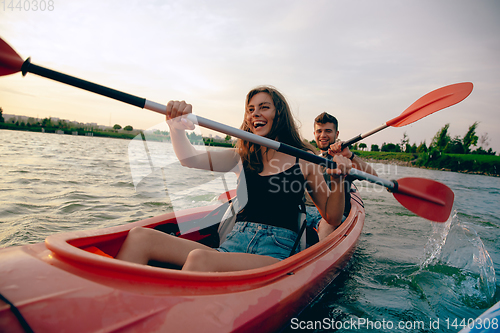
x,y
325,135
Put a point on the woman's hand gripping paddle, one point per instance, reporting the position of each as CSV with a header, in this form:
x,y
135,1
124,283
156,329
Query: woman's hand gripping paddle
x,y
424,197
434,101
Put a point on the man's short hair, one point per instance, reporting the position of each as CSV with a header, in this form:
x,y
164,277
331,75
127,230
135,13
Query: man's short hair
x,y
327,118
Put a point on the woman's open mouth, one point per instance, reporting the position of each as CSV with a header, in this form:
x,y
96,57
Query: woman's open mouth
x,y
259,123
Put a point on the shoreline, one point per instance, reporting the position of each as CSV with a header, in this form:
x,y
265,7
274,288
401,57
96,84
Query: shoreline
x,y
400,159
106,134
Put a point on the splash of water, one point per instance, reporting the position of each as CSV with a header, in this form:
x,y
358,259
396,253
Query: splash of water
x,y
456,245
432,249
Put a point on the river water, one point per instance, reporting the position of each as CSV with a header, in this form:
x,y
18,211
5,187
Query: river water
x,y
407,274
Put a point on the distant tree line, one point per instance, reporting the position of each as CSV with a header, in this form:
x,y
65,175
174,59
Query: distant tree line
x,y
32,124
127,132
442,142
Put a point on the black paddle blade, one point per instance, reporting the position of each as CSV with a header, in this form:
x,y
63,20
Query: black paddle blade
x,y
425,197
10,61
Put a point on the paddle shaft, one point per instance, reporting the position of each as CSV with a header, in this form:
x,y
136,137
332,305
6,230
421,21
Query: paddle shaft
x,y
28,67
362,136
79,83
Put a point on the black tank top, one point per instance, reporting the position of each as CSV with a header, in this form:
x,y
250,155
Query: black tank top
x,y
272,199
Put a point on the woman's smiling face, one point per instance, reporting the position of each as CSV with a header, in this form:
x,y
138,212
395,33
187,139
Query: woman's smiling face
x,y
260,114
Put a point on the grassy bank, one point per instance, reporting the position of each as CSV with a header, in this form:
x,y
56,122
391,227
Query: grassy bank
x,y
386,156
467,163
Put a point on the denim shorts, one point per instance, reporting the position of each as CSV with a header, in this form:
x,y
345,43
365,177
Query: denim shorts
x,y
256,238
312,217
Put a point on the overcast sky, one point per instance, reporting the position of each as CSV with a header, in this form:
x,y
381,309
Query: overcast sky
x,y
363,61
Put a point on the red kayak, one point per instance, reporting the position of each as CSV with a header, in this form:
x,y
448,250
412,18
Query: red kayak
x,y
72,283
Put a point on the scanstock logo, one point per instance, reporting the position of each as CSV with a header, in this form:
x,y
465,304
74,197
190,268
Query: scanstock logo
x,y
158,175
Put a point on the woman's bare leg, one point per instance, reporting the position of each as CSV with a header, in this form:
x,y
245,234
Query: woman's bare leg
x,y
144,244
201,260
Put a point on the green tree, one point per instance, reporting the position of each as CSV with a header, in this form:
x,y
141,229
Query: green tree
x,y
375,148
391,147
362,146
422,148
455,146
470,138
441,139
481,151
128,128
1,116
227,138
46,122
63,124
117,127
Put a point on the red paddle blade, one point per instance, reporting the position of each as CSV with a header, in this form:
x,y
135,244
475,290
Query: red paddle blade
x,y
434,101
425,197
10,61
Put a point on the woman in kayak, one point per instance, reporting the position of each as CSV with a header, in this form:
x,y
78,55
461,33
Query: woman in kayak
x,y
272,182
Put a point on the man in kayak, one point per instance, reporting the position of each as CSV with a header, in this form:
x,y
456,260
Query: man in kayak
x,y
273,183
325,134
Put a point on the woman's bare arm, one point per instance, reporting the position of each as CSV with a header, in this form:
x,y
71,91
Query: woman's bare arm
x,y
330,202
216,160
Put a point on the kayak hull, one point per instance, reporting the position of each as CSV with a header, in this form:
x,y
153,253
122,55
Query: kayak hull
x,y
60,286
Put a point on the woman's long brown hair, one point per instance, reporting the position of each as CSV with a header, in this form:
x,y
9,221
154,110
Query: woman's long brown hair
x,y
283,130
